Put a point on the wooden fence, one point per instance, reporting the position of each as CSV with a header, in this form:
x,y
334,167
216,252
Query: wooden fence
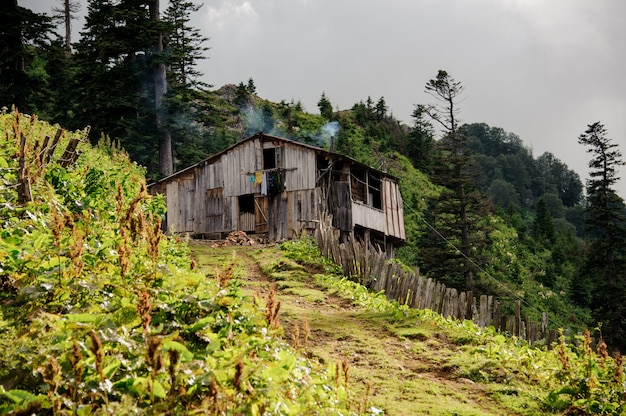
x,y
372,268
44,154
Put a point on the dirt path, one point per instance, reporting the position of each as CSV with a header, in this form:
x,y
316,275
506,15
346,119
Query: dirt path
x,y
398,375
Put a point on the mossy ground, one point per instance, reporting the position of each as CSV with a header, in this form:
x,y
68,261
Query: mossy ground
x,y
396,364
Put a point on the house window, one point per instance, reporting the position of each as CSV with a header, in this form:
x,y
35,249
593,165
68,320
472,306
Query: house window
x,y
246,203
374,191
358,185
366,187
269,158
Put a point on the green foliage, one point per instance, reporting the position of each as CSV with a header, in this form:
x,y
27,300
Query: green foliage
x,y
604,273
26,55
305,251
519,269
101,313
591,382
325,107
570,378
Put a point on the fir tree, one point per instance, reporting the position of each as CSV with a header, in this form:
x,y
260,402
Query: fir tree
x,y
325,107
604,271
544,227
457,212
189,110
420,141
25,39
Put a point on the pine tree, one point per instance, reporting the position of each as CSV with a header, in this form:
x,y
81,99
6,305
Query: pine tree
x,y
420,141
544,226
380,109
325,107
66,13
242,95
166,156
604,270
185,47
251,86
457,212
114,90
190,114
136,79
25,40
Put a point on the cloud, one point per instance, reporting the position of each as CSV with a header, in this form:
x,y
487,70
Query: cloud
x,y
230,13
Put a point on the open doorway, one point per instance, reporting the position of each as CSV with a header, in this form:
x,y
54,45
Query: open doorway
x,y
246,212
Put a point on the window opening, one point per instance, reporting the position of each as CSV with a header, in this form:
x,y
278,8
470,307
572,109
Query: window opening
x,y
374,192
269,158
358,185
246,204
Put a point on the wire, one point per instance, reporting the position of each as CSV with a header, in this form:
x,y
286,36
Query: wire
x,y
478,267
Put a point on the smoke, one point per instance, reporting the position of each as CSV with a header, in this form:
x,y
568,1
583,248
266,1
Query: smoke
x,y
328,130
255,120
331,128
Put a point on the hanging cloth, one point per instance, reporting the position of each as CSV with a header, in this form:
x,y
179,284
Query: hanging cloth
x,y
258,178
263,183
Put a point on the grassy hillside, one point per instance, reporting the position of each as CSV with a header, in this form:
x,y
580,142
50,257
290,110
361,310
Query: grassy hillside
x,y
514,263
102,314
400,361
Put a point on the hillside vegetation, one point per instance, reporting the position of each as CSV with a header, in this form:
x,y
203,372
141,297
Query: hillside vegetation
x,y
520,251
482,212
102,314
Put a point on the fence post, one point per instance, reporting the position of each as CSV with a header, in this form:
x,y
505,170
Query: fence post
x,y
518,318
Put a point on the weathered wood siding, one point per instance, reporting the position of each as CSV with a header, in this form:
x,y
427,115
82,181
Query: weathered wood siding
x,y
303,212
341,206
300,165
278,220
261,221
238,164
212,175
214,202
180,205
368,217
394,209
231,211
204,199
173,211
246,222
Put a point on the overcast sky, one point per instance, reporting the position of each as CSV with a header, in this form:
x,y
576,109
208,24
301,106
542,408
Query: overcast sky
x,y
542,69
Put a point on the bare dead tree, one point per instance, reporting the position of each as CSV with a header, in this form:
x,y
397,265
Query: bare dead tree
x,y
166,162
67,13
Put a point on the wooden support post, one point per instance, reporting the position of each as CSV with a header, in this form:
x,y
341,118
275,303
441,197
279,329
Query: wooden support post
x,y
518,318
544,325
53,146
24,193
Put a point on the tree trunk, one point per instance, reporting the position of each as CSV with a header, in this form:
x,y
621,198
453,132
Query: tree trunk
x,y
12,39
166,162
67,16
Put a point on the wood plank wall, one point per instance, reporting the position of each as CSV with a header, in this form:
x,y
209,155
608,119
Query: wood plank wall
x,y
394,209
300,164
204,199
368,217
238,164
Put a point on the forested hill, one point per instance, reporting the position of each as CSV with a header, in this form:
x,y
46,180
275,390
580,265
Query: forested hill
x,y
103,314
482,212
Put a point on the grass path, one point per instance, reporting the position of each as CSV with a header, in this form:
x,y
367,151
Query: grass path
x,y
399,367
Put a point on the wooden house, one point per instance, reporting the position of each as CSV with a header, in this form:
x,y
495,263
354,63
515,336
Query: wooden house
x,y
278,187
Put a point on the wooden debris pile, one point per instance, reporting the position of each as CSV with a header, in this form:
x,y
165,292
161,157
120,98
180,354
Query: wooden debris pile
x,y
236,238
